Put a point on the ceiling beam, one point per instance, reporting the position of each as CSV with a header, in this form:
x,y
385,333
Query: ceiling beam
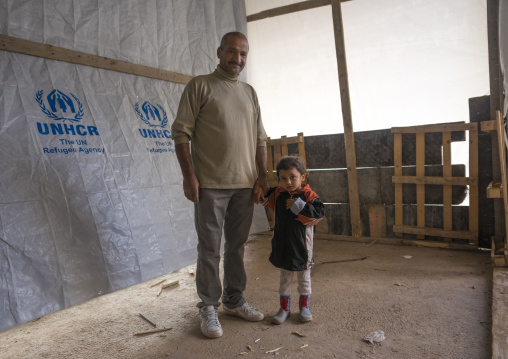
x,y
300,6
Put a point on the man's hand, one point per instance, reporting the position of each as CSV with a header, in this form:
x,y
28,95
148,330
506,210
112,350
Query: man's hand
x,y
191,188
190,181
260,189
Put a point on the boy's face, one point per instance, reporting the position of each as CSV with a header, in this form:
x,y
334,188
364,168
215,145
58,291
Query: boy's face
x,y
291,180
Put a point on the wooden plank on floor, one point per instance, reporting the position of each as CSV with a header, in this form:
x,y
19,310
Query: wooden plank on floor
x,y
420,188
499,313
436,232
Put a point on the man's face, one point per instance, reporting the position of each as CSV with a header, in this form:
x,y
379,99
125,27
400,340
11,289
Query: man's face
x,y
233,57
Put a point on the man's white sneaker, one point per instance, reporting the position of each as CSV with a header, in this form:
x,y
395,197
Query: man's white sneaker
x,y
210,326
246,311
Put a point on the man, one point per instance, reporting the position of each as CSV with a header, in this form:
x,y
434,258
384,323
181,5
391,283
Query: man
x,y
220,115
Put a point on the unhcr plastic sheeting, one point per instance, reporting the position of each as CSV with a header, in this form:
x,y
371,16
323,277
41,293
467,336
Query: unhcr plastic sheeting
x,y
91,199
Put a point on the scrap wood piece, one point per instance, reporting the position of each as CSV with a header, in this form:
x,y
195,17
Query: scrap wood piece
x,y
148,320
250,348
167,285
159,282
273,350
374,241
153,331
344,260
170,284
298,334
304,346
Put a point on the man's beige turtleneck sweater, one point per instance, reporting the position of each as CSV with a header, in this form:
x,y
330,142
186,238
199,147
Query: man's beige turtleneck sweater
x,y
220,116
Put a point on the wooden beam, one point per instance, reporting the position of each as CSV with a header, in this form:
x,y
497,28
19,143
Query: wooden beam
x,y
488,126
448,180
288,9
397,163
473,188
437,232
340,48
502,159
495,75
391,241
32,48
447,189
436,128
495,190
420,188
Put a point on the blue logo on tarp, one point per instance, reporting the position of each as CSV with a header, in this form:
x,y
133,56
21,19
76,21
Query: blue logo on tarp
x,y
61,106
153,116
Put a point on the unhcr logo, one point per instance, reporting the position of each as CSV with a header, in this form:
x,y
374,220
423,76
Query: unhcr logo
x,y
156,118
61,107
64,109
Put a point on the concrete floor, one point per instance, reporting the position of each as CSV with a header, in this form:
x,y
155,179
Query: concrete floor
x,y
430,303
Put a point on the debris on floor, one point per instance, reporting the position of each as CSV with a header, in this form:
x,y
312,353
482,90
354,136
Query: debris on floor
x,y
375,337
153,331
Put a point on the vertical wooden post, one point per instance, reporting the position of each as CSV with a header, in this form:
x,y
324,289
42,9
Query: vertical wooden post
x,y
473,173
397,171
270,162
447,189
496,102
284,145
502,159
301,149
352,176
420,188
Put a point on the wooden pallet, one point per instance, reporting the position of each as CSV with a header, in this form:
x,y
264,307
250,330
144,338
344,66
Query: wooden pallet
x,y
447,181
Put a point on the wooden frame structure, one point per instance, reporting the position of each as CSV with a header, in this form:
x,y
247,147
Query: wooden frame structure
x,y
447,181
278,148
497,189
275,150
340,48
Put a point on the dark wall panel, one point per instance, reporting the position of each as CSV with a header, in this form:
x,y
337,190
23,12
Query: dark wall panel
x,y
376,187
373,149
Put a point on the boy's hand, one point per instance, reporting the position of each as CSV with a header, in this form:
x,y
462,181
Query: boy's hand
x,y
290,202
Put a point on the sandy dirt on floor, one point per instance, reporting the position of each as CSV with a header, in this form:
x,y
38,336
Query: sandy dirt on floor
x,y
430,303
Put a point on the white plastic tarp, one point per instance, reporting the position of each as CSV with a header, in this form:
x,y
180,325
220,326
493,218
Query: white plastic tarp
x,y
90,189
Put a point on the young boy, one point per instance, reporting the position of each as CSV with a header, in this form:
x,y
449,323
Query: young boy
x,y
297,209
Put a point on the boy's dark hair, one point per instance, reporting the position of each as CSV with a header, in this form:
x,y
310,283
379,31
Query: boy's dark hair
x,y
288,162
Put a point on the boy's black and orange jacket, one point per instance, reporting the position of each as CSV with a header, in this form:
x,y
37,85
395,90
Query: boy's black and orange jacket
x,y
289,245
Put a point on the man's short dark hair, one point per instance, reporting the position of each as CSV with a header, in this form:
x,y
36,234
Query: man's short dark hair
x,y
224,40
